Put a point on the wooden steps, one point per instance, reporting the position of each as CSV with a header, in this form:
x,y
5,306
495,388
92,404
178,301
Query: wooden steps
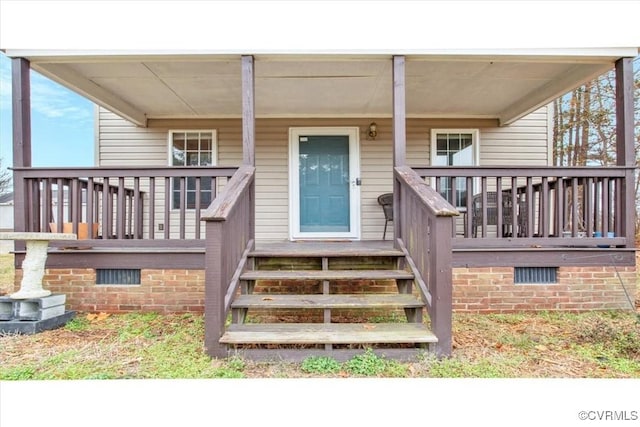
x,y
326,275
328,333
327,301
351,278
326,249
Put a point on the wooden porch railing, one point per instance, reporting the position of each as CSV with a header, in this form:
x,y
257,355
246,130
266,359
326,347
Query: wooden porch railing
x,y
120,203
423,226
547,206
230,224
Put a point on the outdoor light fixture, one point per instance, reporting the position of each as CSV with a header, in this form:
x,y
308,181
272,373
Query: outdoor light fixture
x,y
373,131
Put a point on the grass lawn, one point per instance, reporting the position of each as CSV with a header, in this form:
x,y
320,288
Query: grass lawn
x,y
144,346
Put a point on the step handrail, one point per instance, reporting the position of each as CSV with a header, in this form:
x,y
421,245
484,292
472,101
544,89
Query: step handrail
x,y
423,225
230,237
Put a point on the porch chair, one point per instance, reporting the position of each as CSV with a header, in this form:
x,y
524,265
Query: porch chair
x,y
386,201
477,214
492,213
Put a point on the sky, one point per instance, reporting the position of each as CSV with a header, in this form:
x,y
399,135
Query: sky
x,y
62,132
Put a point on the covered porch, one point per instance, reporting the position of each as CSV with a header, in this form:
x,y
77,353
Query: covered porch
x,y
443,217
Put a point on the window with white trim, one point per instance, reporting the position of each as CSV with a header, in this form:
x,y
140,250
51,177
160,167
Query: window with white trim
x,y
192,148
454,147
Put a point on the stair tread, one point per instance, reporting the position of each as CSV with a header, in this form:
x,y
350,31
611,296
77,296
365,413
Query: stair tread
x,y
327,301
328,333
327,249
325,274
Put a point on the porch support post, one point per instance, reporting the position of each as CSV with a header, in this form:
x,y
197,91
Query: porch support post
x,y
248,112
625,150
399,113
249,129
399,137
21,109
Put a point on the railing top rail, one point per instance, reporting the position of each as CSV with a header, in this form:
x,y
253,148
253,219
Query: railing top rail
x,y
126,171
431,198
225,203
521,171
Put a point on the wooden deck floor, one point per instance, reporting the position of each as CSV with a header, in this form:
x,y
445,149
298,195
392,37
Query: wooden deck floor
x,y
152,254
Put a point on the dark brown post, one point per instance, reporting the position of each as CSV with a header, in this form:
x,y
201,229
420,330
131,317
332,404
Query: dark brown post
x,y
21,109
441,282
214,289
249,128
399,112
248,112
399,137
625,150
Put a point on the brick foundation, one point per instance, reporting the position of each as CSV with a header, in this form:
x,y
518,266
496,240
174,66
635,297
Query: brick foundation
x,y
489,289
161,291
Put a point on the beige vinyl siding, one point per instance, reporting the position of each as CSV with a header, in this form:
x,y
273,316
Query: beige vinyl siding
x,y
524,143
122,143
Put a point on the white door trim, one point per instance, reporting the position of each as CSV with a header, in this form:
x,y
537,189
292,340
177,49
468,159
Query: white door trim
x,y
294,182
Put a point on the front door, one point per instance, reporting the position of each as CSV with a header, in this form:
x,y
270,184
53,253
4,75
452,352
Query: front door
x,y
324,191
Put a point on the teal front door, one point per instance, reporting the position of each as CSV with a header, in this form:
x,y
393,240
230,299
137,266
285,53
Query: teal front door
x,y
324,183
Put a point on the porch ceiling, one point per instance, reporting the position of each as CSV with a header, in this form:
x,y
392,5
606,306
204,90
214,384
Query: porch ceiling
x,y
499,86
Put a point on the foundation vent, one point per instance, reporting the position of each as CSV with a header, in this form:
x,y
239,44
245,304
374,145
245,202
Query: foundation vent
x,y
534,275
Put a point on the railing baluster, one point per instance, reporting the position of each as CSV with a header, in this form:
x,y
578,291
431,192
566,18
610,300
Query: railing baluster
x,y
46,204
560,195
129,222
515,229
574,207
60,209
106,211
499,208
198,201
588,206
530,204
30,209
545,207
168,201
37,200
483,186
89,212
183,201
137,228
120,208
469,207
74,205
152,207
611,206
597,204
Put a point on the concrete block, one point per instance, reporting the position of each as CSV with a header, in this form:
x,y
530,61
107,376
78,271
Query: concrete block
x,y
52,300
6,308
32,327
32,310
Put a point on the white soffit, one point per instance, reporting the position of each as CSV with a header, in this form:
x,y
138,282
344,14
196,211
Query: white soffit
x,y
505,87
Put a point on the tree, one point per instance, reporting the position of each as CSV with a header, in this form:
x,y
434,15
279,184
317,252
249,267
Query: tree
x,y
584,127
5,180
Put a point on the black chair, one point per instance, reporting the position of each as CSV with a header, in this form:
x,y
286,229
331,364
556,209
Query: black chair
x,y
386,201
492,213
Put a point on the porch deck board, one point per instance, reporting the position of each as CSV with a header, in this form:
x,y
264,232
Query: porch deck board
x,y
326,275
344,248
327,301
328,333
